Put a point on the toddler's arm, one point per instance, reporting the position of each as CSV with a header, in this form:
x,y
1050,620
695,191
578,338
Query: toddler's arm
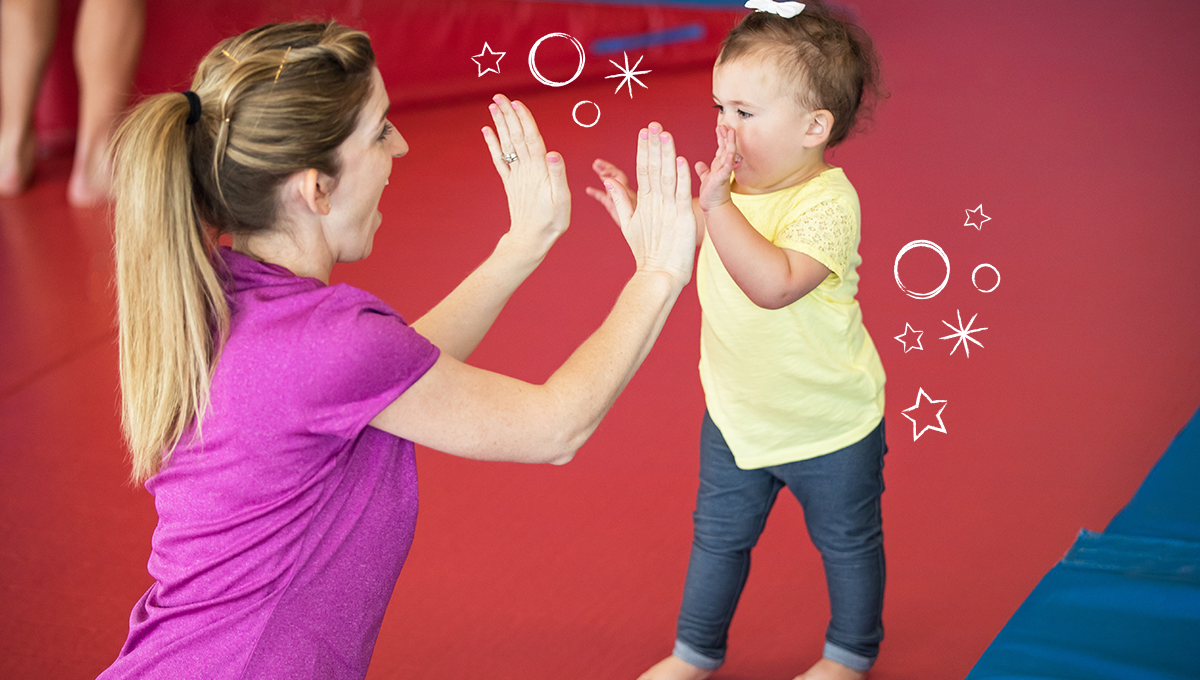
x,y
772,277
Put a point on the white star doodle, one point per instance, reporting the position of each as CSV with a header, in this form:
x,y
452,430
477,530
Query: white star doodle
x,y
487,52
915,344
627,74
963,334
941,426
976,220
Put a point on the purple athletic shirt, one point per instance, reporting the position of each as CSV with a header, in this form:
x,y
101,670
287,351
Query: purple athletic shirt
x,y
282,531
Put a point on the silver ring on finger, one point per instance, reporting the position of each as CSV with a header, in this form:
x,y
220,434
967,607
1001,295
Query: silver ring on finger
x,y
509,157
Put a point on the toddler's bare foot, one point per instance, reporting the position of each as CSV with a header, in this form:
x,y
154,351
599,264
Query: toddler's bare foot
x,y
831,670
674,668
16,166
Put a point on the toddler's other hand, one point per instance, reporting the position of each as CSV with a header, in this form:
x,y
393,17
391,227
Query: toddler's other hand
x,y
714,182
613,175
539,201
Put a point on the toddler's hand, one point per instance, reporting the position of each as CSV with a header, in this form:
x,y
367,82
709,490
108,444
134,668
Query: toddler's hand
x,y
661,232
539,201
611,174
714,183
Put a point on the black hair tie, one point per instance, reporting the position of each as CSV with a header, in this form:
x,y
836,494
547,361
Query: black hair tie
x,y
194,103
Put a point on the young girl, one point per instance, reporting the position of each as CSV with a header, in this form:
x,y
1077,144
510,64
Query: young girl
x,y
792,381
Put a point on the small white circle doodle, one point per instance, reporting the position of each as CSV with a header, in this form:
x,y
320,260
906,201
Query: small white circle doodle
x,y
977,285
576,117
921,244
546,81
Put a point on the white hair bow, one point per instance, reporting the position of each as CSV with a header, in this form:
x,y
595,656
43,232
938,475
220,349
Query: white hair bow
x,y
787,10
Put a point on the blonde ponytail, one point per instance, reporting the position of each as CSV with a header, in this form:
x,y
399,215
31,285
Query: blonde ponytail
x,y
178,186
171,307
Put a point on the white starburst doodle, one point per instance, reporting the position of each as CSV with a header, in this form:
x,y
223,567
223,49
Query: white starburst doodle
x,y
941,426
963,333
627,74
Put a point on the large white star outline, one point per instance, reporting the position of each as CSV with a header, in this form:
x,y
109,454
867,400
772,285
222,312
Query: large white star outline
x,y
963,333
941,426
627,74
487,51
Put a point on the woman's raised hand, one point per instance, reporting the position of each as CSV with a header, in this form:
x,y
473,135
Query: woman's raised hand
x,y
539,201
661,230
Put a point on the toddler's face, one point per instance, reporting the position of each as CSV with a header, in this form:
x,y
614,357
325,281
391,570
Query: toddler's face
x,y
770,125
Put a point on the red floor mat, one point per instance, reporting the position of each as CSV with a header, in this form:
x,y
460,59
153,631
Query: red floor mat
x,y
1073,125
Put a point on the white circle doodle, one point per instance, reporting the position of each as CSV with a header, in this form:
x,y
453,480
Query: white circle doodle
x,y
585,101
977,285
533,66
921,244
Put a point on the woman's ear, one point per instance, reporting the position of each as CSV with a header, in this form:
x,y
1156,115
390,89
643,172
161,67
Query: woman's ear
x,y
310,188
818,128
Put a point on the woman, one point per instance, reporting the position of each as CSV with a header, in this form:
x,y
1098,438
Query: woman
x,y
274,415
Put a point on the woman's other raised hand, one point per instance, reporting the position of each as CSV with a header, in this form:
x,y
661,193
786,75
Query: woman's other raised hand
x,y
539,201
661,229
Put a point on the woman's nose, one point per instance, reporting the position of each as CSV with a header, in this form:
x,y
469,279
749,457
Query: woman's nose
x,y
400,146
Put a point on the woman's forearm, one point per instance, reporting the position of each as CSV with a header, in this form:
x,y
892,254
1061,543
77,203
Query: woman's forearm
x,y
586,386
457,324
474,413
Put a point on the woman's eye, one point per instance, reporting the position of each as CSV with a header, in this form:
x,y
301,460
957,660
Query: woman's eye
x,y
387,130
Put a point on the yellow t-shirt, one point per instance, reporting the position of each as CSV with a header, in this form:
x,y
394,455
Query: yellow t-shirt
x,y
805,380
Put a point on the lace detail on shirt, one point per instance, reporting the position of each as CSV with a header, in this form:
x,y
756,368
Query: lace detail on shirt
x,y
828,228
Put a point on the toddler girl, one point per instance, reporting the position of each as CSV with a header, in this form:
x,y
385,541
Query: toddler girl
x,y
792,382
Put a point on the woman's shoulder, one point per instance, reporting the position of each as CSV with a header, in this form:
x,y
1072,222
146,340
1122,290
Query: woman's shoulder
x,y
263,289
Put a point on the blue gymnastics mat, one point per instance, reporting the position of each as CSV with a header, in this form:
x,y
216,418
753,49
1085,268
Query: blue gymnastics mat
x,y
1123,604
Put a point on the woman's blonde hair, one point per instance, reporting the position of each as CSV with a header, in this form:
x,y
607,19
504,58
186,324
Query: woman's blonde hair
x,y
274,101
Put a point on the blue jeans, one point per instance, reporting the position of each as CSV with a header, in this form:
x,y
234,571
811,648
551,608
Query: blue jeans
x,y
840,494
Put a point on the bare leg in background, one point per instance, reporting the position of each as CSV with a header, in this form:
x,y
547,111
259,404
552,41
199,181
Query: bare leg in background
x,y
27,30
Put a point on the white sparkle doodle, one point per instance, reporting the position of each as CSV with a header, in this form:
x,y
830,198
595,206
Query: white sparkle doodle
x,y
976,220
963,333
910,344
486,55
533,62
627,74
941,426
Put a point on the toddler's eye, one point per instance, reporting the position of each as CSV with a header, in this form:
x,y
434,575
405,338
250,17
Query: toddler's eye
x,y
743,114
387,130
